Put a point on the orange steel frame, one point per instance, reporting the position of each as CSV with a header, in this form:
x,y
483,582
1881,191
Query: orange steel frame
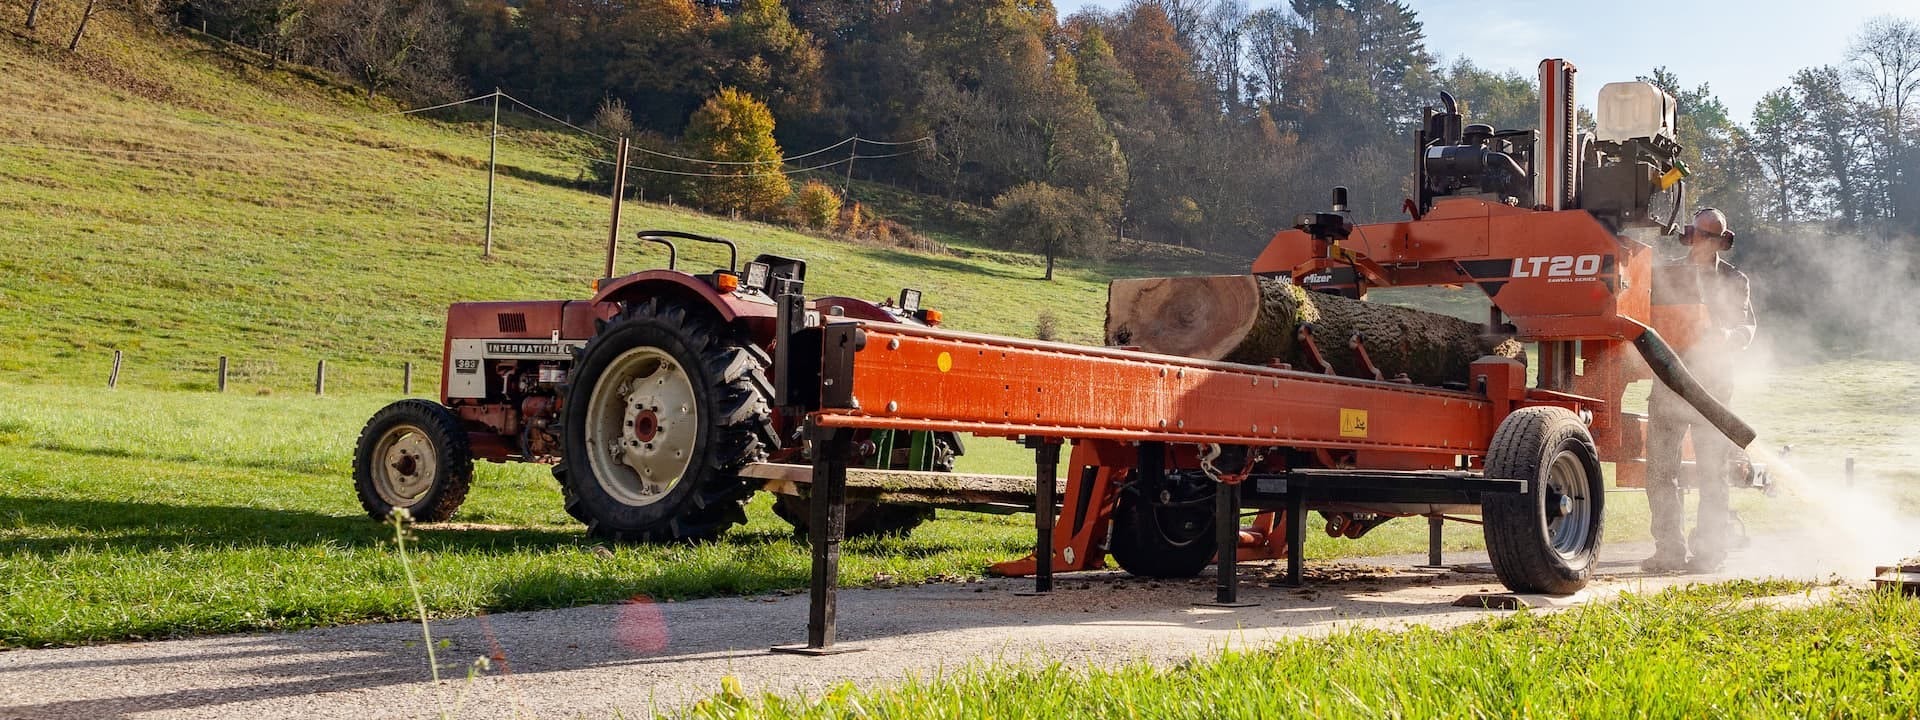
x,y
1584,310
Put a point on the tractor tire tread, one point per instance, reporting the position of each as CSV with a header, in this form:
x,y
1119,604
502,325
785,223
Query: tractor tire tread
x,y
739,423
455,452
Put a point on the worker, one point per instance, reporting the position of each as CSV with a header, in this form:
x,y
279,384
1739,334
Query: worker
x,y
1710,357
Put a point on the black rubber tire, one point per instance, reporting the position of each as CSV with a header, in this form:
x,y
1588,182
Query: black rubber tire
x,y
864,519
453,457
869,519
1516,525
735,428
1151,541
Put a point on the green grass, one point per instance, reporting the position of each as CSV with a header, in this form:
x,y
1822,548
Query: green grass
x,y
109,497
297,236
305,239
1692,652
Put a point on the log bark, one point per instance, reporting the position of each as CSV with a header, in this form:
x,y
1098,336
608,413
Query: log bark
x,y
1256,321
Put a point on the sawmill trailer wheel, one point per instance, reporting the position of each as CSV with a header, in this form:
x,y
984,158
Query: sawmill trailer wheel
x,y
1547,539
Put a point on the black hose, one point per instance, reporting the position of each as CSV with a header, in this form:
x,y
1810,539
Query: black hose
x,y
1672,225
1667,366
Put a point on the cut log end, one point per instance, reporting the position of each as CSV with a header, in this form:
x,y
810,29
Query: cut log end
x,y
1199,317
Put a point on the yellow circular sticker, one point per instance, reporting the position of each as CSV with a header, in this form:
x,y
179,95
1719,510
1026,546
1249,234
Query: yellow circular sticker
x,y
945,362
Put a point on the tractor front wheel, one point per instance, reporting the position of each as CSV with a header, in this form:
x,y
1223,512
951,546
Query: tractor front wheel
x,y
413,456
662,411
1547,539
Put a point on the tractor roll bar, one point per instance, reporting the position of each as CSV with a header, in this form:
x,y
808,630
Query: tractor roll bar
x,y
673,253
733,251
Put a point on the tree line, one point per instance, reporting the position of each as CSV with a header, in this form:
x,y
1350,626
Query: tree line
x,y
1206,123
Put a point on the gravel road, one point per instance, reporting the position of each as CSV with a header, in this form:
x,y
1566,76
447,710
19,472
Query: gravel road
x,y
635,659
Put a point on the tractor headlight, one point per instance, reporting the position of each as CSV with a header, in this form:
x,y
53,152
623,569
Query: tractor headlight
x,y
757,274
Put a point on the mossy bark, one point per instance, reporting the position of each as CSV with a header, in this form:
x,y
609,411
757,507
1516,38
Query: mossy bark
x,y
1257,321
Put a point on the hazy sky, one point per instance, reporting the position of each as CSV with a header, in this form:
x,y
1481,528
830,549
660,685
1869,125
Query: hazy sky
x,y
1742,49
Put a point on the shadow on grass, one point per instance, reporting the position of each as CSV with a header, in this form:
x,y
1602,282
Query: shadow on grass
x,y
137,526
919,261
13,438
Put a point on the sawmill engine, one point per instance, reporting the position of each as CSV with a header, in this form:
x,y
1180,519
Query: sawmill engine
x,y
1612,170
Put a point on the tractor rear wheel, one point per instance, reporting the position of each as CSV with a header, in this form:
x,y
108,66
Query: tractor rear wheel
x,y
662,410
413,456
1547,539
1164,531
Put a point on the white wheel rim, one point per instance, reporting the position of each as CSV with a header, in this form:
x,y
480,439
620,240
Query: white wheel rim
x,y
1568,507
405,466
642,422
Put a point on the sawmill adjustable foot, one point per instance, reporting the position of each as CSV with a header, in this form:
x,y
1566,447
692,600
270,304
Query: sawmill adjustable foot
x,y
1226,527
828,507
1046,466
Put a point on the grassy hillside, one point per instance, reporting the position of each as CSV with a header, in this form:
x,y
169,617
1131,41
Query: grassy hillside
x,y
230,208
269,216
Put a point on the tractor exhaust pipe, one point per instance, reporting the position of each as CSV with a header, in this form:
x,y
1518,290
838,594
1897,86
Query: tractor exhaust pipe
x,y
1667,366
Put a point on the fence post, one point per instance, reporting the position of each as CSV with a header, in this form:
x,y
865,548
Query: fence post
x,y
1849,471
320,378
406,378
113,376
223,373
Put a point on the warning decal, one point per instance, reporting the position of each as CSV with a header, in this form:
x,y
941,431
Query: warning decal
x,y
1353,423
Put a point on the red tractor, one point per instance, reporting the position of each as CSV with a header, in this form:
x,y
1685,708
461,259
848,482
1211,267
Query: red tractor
x,y
648,400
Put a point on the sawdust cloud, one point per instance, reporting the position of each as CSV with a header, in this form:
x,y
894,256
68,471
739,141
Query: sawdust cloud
x,y
1827,297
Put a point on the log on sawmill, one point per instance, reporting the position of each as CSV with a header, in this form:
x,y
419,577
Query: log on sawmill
x,y
1257,321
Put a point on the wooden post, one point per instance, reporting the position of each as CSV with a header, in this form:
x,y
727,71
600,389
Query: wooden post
x,y
406,378
222,383
493,144
113,376
82,29
846,189
320,378
1849,471
619,191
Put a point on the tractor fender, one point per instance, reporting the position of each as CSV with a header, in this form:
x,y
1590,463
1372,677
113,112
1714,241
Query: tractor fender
x,y
857,309
688,291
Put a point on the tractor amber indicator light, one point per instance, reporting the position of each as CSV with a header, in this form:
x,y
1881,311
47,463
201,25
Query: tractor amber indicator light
x,y
932,316
726,282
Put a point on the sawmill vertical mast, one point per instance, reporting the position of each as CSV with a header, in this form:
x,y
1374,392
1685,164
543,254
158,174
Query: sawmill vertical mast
x,y
1557,159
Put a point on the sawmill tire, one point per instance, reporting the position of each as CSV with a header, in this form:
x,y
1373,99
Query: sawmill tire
x,y
1547,539
663,409
1164,532
412,455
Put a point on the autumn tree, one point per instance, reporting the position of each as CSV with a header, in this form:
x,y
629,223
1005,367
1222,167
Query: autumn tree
x,y
736,129
1052,221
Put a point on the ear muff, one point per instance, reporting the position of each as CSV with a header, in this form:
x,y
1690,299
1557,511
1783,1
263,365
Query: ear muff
x,y
1726,241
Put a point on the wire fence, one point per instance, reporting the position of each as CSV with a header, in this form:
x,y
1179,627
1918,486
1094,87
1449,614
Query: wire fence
x,y
853,140
224,372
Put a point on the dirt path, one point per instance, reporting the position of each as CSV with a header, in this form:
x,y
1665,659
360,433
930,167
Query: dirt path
x,y
630,660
